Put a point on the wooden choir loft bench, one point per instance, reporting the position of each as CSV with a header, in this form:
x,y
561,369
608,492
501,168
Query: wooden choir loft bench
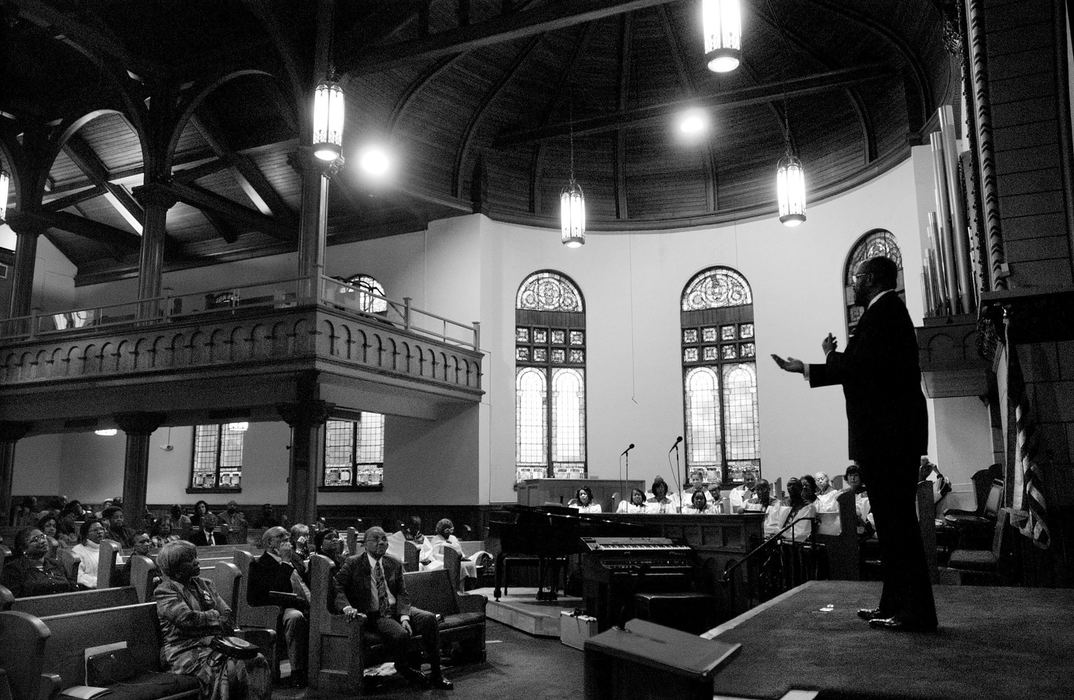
x,y
44,655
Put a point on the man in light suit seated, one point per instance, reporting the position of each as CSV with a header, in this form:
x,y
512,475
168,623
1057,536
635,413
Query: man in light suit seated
x,y
744,491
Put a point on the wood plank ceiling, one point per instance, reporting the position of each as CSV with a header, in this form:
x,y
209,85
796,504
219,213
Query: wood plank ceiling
x,y
477,99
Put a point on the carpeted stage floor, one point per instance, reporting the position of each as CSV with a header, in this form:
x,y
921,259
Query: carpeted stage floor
x,y
992,643
1003,643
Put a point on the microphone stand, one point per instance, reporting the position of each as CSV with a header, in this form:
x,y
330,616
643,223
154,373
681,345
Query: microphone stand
x,y
678,483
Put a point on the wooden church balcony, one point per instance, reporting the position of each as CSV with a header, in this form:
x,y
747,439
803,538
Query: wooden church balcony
x,y
950,362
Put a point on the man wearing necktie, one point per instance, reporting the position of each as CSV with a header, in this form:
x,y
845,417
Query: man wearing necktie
x,y
372,583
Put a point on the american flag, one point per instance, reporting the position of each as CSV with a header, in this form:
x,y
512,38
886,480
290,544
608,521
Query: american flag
x,y
1028,452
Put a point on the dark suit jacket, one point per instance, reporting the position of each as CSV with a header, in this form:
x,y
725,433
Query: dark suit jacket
x,y
200,540
354,586
270,583
881,381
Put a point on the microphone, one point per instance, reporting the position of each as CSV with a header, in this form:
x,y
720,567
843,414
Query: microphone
x,y
627,450
676,445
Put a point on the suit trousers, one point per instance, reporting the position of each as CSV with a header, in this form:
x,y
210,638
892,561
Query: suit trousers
x,y
424,625
296,633
891,482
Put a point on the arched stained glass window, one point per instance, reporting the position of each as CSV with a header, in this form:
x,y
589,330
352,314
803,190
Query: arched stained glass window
x,y
371,298
720,376
550,347
877,242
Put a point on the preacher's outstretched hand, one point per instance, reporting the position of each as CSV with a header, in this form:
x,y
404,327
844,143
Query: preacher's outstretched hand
x,y
790,364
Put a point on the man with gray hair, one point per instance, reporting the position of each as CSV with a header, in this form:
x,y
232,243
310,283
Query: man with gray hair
x,y
372,583
274,580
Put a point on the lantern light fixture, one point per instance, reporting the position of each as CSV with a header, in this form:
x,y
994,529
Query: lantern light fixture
x,y
572,206
790,185
721,21
328,109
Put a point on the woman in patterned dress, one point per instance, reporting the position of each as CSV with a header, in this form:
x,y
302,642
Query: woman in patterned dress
x,y
191,614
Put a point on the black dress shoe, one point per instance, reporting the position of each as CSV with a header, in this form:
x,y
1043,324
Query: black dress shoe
x,y
896,625
871,614
440,683
413,675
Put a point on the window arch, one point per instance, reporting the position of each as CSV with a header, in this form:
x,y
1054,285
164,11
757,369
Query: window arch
x,y
550,400
719,354
872,244
370,294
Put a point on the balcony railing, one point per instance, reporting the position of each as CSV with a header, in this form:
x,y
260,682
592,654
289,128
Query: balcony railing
x,y
214,303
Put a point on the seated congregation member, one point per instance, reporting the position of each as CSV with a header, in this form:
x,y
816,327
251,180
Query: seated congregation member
x,y
865,527
826,494
762,499
659,501
300,542
67,527
329,543
162,533
266,518
744,491
115,529
797,511
47,525
431,556
33,572
412,530
275,580
201,508
699,505
233,523
583,501
179,523
88,551
191,614
372,583
25,513
206,534
635,504
142,543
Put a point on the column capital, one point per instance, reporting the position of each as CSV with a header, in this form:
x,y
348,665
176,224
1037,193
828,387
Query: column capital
x,y
155,194
303,160
12,431
139,423
25,223
310,412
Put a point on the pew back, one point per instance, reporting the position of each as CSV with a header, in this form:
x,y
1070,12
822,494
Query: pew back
x,y
246,615
22,649
137,625
107,561
838,533
144,574
61,603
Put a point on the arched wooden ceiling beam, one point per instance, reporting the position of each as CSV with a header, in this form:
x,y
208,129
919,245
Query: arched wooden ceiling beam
x,y
917,70
806,85
537,162
678,54
86,160
505,27
292,72
865,122
478,113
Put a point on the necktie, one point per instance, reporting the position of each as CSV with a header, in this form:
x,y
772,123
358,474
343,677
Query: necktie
x,y
382,590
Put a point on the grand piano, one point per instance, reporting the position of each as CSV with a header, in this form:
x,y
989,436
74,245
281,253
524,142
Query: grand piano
x,y
551,534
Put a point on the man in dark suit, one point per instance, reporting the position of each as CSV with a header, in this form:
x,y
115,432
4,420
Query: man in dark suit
x,y
372,583
206,535
274,580
888,431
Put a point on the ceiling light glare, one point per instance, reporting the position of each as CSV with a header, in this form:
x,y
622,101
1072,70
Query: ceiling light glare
x,y
693,123
375,161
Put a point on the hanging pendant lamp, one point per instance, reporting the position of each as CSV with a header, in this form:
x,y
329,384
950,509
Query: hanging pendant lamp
x,y
572,207
790,182
721,21
328,120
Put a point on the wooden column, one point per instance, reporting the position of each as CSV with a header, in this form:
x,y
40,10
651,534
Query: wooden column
x,y
313,219
156,201
27,231
10,433
307,420
138,427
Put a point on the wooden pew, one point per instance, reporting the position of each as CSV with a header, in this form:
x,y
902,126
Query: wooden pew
x,y
337,654
75,601
462,616
839,534
144,576
23,638
926,520
251,617
108,556
137,625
